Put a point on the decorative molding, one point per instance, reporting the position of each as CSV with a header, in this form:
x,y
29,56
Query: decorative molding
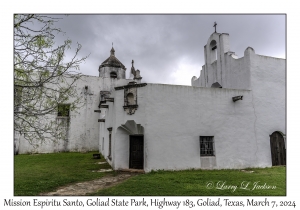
x,y
132,128
109,100
103,106
103,96
130,109
109,129
104,92
130,86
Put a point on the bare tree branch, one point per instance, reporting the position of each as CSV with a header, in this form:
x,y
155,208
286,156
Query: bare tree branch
x,y
42,78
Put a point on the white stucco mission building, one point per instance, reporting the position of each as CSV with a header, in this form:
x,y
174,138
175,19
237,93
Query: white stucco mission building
x,y
232,116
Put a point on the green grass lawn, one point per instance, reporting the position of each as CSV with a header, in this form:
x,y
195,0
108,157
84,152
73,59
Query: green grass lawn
x,y
38,173
203,182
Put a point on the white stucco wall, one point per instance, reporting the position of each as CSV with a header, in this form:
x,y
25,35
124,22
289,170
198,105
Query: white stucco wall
x,y
84,127
266,78
268,84
175,116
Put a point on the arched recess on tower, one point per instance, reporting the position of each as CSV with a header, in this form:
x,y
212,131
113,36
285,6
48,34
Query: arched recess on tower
x,y
213,51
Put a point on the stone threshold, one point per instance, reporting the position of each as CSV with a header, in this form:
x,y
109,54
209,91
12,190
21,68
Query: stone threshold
x,y
131,170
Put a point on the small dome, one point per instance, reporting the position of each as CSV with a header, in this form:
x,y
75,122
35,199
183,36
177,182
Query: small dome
x,y
112,61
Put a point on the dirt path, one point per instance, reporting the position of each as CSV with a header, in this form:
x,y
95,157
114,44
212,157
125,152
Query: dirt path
x,y
83,188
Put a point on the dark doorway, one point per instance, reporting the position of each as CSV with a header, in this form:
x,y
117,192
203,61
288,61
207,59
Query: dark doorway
x,y
278,150
136,154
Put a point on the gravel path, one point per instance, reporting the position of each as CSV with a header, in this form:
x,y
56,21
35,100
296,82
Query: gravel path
x,y
84,188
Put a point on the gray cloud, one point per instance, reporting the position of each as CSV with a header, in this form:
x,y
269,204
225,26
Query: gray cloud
x,y
164,45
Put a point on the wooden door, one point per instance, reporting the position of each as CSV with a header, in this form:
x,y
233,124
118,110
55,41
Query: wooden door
x,y
278,150
136,154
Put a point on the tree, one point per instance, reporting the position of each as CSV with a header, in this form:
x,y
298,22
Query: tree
x,y
43,80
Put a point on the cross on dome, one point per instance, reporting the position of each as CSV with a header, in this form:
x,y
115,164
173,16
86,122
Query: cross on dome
x,y
112,51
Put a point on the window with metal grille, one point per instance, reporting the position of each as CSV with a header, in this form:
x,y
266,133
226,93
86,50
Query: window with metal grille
x,y
207,146
63,110
17,98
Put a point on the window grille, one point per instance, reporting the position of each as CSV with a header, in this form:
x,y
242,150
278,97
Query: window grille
x,y
206,146
17,98
63,110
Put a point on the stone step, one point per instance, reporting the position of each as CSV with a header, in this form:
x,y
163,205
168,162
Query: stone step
x,y
131,170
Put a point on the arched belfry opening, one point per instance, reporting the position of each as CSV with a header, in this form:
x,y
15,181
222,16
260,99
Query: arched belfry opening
x,y
113,75
213,50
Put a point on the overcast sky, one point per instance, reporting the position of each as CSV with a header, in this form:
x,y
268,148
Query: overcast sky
x,y
169,48
166,48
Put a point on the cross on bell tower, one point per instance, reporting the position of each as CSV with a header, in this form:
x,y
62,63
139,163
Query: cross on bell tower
x,y
215,25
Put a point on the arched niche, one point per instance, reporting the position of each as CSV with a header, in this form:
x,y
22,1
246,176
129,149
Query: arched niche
x,y
130,99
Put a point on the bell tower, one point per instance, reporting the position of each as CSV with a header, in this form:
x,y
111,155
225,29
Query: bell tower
x,y
214,50
112,67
